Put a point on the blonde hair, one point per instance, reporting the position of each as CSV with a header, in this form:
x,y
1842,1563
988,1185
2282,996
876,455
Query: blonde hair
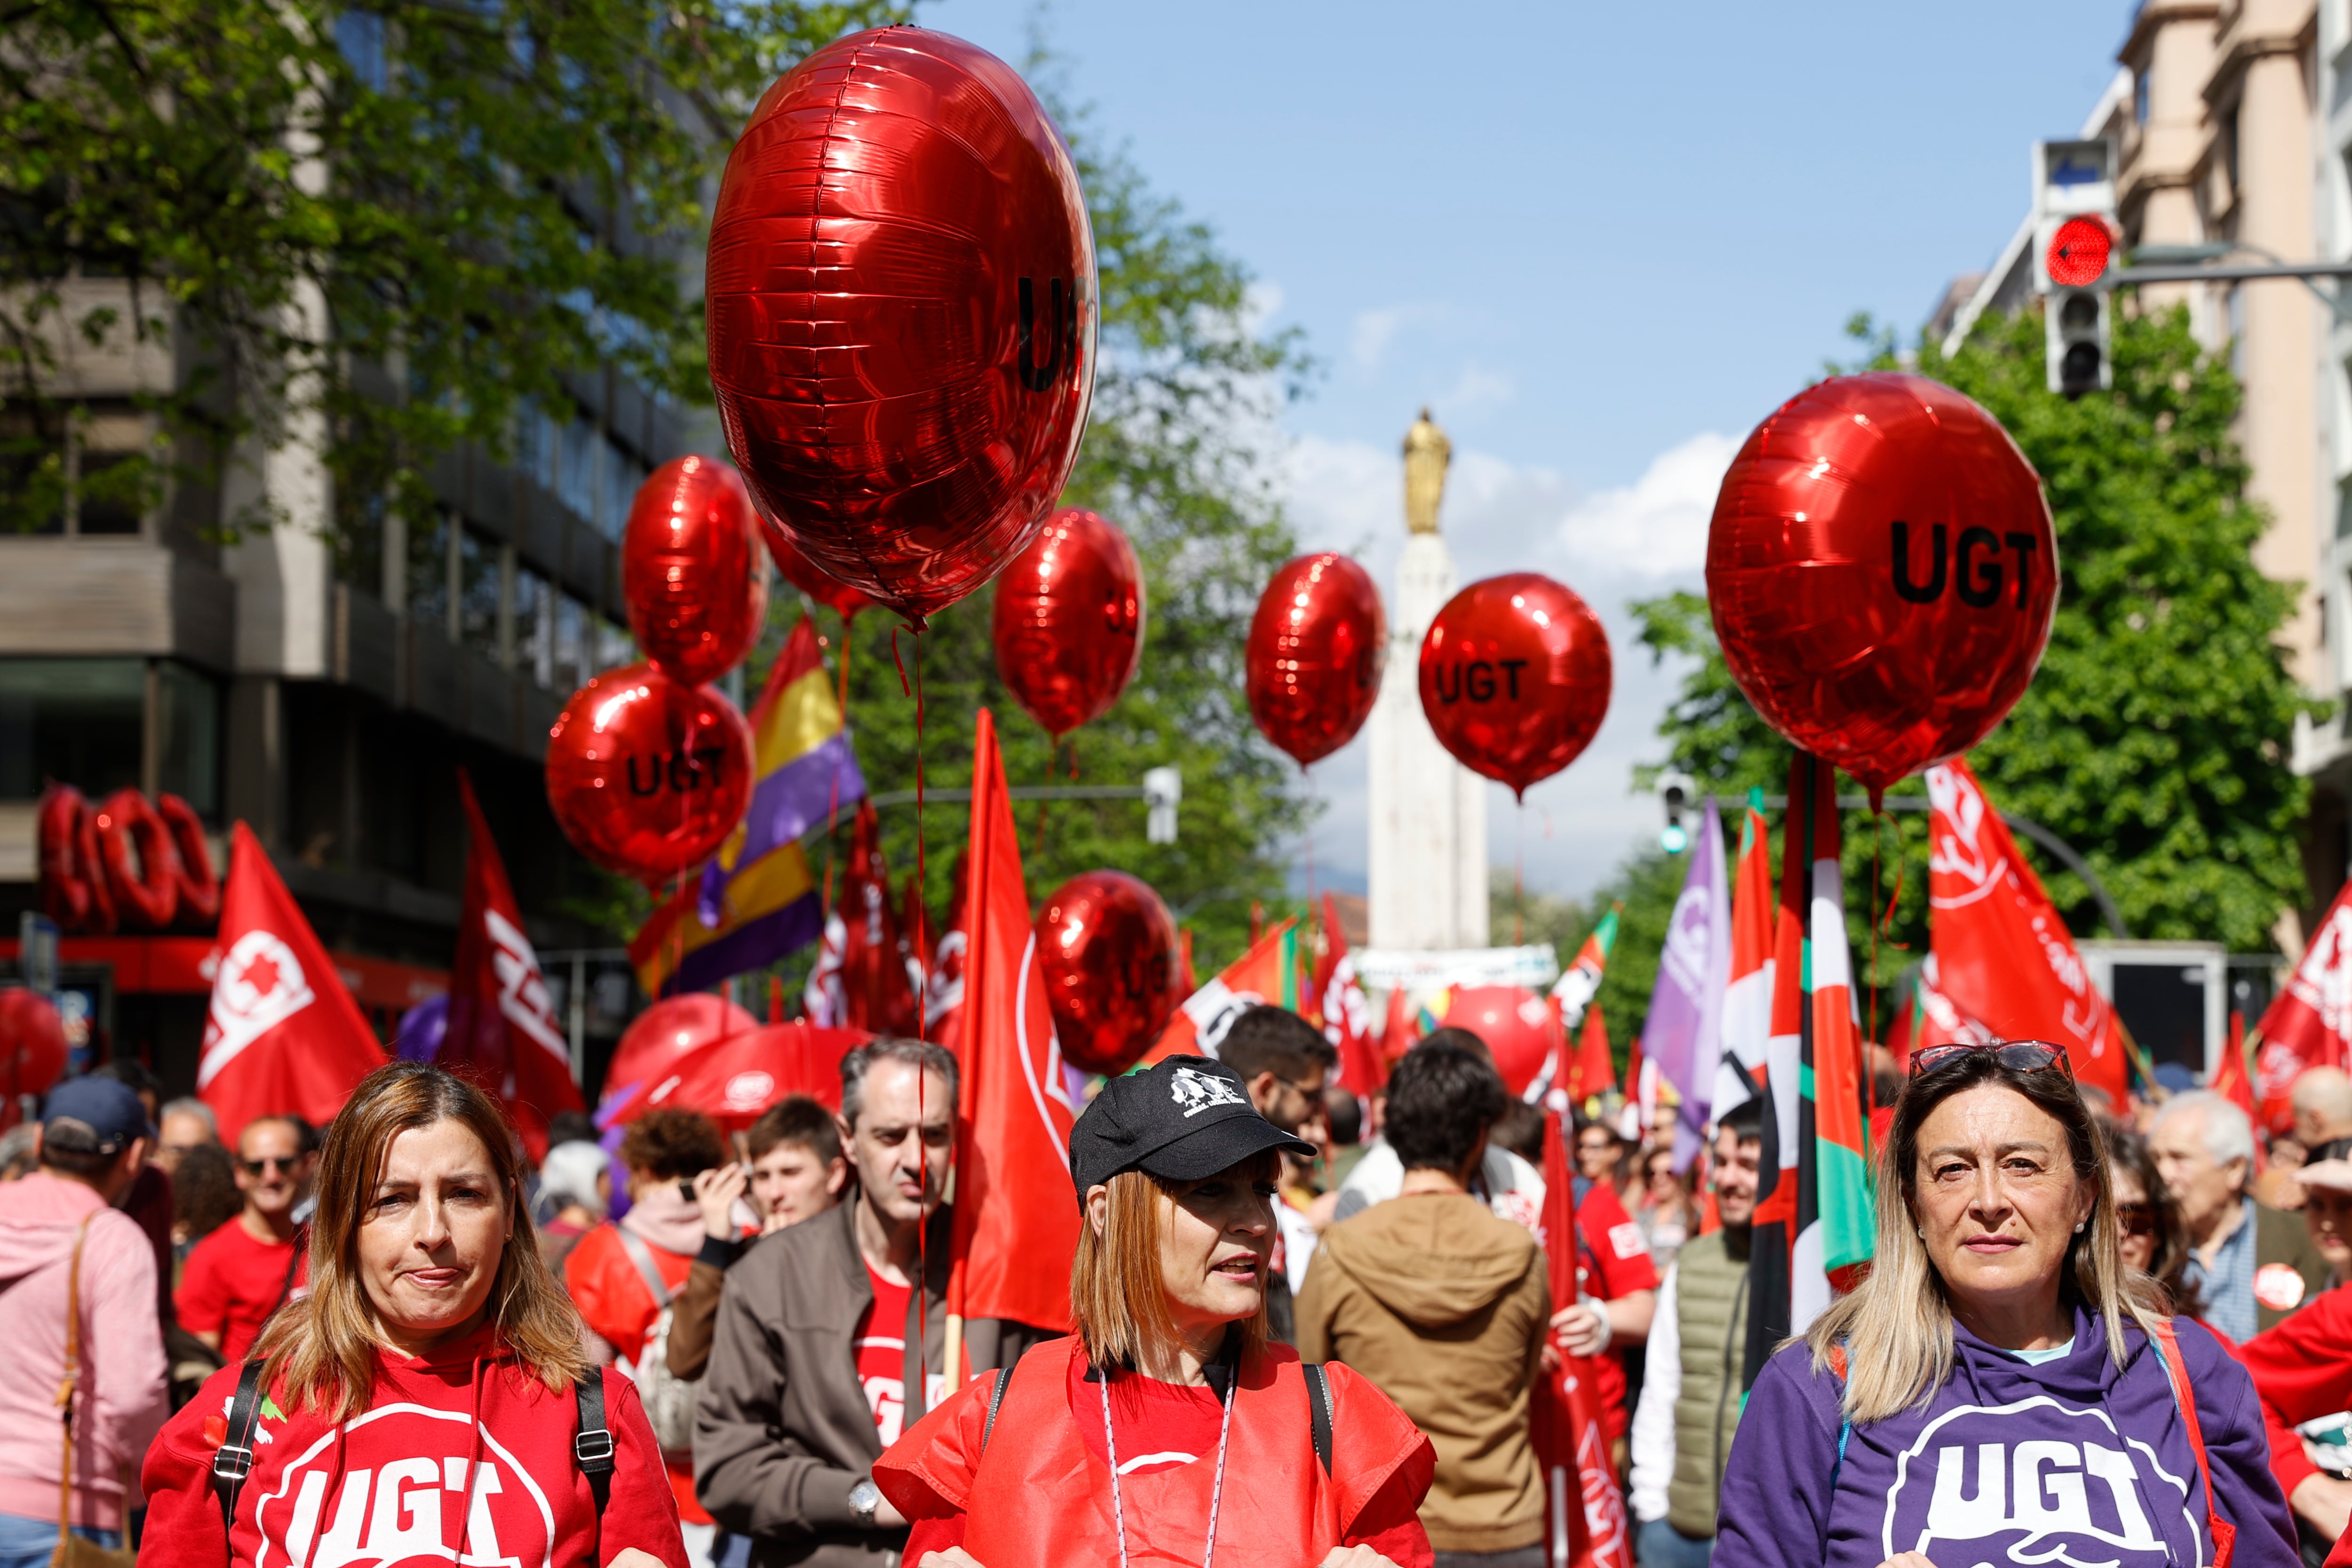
x,y
323,1345
1897,1325
1118,1294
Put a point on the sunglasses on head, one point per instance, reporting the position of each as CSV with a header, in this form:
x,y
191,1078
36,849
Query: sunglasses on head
x,y
2018,1055
268,1162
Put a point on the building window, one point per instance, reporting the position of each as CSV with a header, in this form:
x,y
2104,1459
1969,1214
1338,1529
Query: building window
x,y
573,666
80,722
534,616
187,733
2139,95
614,646
575,478
79,468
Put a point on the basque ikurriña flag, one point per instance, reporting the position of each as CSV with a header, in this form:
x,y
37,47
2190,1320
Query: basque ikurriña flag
x,y
502,1031
756,901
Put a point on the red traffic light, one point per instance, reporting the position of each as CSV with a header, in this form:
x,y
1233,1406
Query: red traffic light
x,y
2079,251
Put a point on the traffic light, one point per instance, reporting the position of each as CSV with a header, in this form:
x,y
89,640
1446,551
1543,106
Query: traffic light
x,y
2074,239
1675,791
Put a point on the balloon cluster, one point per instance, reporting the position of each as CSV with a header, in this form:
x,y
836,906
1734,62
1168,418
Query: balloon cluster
x,y
649,769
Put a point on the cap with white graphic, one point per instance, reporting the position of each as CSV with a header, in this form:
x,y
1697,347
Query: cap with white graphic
x,y
1181,1118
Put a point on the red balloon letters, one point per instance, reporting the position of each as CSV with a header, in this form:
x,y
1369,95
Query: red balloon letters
x,y
1515,677
1069,621
1882,572
1317,648
902,307
647,775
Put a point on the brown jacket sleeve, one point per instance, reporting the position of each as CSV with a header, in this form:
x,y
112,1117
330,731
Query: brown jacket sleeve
x,y
692,1313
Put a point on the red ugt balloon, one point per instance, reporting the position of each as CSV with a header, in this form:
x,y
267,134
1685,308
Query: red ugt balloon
x,y
1108,951
1515,677
1317,648
902,310
1069,620
1882,572
690,570
806,575
665,1034
33,1047
647,775
1515,1025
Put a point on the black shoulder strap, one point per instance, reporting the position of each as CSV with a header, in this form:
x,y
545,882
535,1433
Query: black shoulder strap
x,y
995,1398
1318,1410
233,1460
592,1446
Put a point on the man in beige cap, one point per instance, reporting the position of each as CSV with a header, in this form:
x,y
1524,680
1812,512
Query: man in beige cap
x,y
2326,1182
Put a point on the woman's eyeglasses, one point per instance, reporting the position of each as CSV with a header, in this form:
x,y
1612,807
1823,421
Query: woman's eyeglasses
x,y
2018,1055
2136,1219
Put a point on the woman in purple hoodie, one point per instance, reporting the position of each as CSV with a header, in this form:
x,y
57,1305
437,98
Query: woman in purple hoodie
x,y
1997,1392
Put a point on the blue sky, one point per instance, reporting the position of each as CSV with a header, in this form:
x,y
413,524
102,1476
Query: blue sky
x,y
1601,242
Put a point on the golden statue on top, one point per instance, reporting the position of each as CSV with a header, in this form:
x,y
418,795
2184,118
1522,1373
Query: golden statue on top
x,y
1426,454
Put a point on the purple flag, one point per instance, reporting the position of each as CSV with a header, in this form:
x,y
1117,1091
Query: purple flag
x,y
1684,1033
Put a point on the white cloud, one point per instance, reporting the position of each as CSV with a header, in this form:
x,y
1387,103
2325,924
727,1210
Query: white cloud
x,y
1479,388
1657,525
1368,338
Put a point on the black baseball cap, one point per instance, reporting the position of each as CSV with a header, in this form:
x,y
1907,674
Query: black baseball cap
x,y
94,1115
1181,1118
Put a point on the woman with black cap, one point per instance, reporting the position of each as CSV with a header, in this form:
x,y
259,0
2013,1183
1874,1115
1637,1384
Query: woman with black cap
x,y
1167,1429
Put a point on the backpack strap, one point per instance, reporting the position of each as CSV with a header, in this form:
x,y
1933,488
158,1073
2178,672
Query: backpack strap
x,y
233,1460
2167,1345
592,1444
1318,1410
995,1398
647,1270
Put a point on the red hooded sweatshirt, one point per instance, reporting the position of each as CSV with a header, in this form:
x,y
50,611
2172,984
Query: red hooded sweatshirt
x,y
460,1454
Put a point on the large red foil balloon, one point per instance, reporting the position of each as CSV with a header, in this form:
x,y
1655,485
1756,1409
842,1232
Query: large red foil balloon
x,y
902,308
665,1034
1514,1023
1515,677
1108,947
1883,574
1069,620
690,570
1317,648
647,775
806,575
32,1046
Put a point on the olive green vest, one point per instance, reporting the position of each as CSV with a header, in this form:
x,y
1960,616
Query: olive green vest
x,y
1711,1308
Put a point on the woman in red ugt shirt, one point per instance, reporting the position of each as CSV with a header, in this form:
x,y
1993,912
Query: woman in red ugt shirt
x,y
1168,1430
420,1402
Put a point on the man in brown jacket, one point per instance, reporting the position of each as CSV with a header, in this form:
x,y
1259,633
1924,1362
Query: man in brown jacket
x,y
1444,1307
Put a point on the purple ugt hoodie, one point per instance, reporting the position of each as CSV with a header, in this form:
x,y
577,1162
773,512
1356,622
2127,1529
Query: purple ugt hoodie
x,y
2071,1462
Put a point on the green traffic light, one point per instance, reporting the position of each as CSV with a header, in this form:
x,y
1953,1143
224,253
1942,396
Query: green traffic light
x,y
1675,838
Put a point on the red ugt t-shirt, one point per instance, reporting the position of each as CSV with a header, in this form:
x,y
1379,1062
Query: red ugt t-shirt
x,y
231,1283
1613,1261
881,1346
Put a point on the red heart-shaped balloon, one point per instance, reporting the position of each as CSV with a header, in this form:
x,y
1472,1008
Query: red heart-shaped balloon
x,y
902,312
1069,624
690,570
1883,574
1317,648
1515,677
647,775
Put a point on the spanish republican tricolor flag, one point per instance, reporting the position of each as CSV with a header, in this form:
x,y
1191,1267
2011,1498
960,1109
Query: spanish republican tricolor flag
x,y
1267,974
756,901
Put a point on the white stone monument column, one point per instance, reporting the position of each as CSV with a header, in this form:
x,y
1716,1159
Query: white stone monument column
x,y
1428,858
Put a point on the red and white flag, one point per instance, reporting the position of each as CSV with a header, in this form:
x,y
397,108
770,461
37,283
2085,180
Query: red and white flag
x,y
502,1031
1347,1011
1016,1228
284,1035
2309,1023
865,978
943,976
2003,955
1584,1512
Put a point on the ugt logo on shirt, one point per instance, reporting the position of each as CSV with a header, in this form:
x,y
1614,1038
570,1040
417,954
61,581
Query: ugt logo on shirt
x,y
409,1505
2037,1482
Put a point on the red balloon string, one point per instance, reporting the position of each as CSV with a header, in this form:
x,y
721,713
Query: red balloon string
x,y
1053,755
1519,877
1308,776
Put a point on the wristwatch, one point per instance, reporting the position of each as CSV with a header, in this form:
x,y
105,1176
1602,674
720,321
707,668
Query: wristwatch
x,y
864,1499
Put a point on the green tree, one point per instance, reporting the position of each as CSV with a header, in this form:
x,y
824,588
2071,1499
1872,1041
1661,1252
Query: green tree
x,y
399,218
2155,735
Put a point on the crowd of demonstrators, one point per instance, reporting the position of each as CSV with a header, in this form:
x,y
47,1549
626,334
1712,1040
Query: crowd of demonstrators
x,y
1445,1307
78,1278
244,1270
1169,1428
1286,1064
2251,1264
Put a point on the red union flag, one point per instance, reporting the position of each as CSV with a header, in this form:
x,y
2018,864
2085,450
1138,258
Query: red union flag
x,y
2309,1024
2003,955
502,1030
283,1034
1016,1226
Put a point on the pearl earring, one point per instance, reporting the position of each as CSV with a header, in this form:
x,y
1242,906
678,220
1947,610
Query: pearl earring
x,y
1919,1232
2078,1228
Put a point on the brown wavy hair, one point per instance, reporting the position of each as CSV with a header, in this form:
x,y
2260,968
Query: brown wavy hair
x,y
324,1345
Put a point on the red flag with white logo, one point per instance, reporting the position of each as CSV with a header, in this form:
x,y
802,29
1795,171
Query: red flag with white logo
x,y
1584,1511
865,978
1016,1228
2003,954
2309,1023
1347,1011
283,1033
503,1032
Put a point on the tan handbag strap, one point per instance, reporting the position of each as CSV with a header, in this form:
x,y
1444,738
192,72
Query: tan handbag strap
x,y
70,1381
